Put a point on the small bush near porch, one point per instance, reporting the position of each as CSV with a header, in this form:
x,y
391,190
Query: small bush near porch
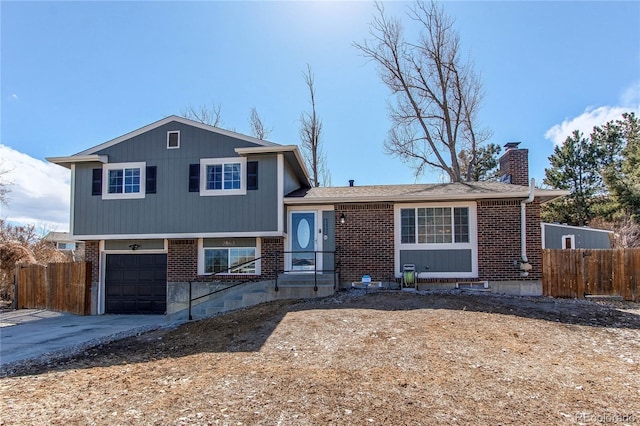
x,y
386,358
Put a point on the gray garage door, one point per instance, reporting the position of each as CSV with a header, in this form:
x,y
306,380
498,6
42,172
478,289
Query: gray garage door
x,y
136,284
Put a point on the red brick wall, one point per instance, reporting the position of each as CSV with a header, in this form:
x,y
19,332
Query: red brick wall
x,y
269,248
182,260
515,162
499,240
92,254
365,242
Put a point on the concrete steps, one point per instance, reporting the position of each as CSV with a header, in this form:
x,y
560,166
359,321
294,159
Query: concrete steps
x,y
289,287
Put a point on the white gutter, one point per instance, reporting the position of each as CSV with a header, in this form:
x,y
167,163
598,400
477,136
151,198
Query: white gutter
x,y
525,266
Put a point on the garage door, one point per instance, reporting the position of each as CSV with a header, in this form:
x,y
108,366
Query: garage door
x,y
136,284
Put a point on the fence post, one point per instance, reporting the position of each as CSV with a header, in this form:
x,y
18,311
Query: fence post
x,y
275,269
14,304
190,316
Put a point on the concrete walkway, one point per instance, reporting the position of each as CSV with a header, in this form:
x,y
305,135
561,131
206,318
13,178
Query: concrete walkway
x,y
31,333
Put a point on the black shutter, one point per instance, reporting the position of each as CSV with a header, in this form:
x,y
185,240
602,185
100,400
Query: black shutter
x,y
252,175
96,183
151,179
194,177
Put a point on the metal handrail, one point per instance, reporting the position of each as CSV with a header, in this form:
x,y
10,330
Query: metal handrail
x,y
335,270
228,270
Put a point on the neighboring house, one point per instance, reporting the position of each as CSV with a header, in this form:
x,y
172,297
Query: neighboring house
x,y
63,242
176,201
557,236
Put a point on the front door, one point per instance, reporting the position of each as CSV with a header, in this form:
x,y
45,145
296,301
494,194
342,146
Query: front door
x,y
303,241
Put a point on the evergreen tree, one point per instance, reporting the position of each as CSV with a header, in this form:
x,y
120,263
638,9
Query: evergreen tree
x,y
575,167
486,163
619,142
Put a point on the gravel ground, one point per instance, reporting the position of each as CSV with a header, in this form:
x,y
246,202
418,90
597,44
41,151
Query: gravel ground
x,y
384,358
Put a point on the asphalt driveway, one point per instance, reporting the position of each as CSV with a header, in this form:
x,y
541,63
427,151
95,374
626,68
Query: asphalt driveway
x,y
30,333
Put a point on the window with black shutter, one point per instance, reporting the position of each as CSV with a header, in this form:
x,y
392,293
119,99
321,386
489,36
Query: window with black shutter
x,y
252,175
194,177
151,179
96,182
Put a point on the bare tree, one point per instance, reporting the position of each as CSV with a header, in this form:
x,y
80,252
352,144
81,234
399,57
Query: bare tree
x,y
258,129
310,132
437,94
211,115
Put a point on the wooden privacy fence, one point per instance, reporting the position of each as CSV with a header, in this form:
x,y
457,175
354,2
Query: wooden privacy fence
x,y
64,287
581,272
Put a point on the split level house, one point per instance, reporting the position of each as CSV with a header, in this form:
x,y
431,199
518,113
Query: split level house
x,y
178,202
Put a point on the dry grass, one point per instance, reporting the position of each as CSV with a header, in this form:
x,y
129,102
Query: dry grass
x,y
387,358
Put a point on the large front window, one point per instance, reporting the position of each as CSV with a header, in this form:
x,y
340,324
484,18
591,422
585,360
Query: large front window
x,y
434,225
230,260
223,176
229,256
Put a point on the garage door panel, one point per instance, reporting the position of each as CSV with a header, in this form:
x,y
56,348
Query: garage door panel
x,y
147,275
136,283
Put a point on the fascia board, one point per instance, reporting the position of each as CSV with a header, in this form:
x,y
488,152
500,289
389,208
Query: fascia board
x,y
276,149
443,197
440,197
190,235
182,120
68,161
550,194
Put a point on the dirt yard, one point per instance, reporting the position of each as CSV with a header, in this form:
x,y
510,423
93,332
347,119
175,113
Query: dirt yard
x,y
386,358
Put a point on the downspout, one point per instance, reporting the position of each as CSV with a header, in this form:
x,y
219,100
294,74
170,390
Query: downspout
x,y
525,266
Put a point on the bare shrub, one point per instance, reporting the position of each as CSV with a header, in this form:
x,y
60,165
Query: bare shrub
x,y
626,231
11,254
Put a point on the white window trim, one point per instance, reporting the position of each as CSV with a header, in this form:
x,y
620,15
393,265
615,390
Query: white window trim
x,y
201,249
116,166
471,245
102,268
168,133
204,162
572,238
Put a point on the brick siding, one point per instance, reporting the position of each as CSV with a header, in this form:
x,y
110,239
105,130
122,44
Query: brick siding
x,y
499,240
92,254
365,242
515,162
182,260
269,248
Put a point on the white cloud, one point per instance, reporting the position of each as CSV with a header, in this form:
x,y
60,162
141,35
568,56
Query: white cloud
x,y
13,97
591,117
40,191
631,96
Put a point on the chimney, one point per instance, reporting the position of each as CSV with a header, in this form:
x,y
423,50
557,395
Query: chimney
x,y
351,182
514,165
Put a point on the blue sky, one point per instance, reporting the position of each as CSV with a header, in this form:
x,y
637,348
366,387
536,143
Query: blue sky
x,y
76,74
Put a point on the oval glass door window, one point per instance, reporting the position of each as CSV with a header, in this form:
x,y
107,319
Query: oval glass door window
x,y
303,233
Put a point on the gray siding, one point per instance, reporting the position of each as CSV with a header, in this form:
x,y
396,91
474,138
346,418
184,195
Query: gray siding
x,y
126,244
173,209
291,182
328,239
584,238
438,260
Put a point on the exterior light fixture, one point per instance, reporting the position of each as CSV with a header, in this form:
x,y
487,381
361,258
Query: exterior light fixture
x,y
134,247
342,219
